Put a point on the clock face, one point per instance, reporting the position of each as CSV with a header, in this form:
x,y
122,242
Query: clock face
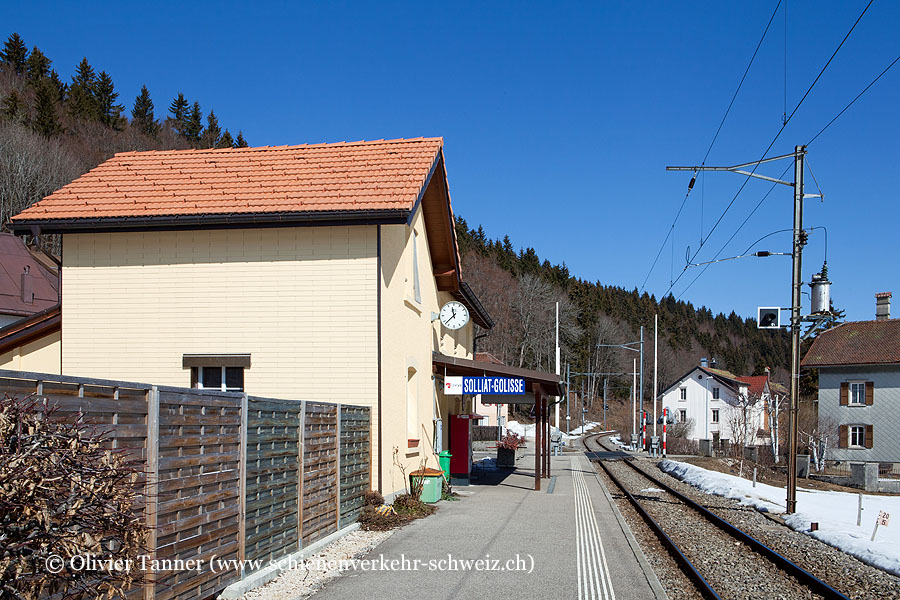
x,y
454,315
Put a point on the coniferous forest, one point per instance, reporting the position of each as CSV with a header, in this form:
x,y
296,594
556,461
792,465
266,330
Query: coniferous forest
x,y
55,128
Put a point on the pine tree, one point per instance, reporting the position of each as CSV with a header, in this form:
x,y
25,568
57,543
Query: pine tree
x,y
81,101
58,85
240,142
13,108
15,53
213,133
142,114
193,124
226,141
178,109
46,121
110,113
38,65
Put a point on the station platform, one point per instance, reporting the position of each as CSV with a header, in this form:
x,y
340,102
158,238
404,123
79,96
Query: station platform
x,y
565,541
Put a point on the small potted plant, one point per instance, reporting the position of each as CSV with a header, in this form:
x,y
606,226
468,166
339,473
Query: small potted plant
x,y
506,450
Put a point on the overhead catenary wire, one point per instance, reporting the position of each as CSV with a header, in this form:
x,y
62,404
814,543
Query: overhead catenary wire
x,y
711,144
756,166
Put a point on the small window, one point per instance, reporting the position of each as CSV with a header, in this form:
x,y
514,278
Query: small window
x,y
858,393
715,415
417,292
682,414
858,436
684,393
226,379
715,393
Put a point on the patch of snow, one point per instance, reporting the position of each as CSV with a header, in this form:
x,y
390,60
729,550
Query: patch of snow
x,y
652,490
835,512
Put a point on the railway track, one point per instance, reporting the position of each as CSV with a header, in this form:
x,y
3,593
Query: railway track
x,y
721,560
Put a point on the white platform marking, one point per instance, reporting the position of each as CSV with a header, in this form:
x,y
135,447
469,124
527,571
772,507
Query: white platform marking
x,y
593,573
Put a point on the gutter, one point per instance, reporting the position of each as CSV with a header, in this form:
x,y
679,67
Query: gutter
x,y
225,220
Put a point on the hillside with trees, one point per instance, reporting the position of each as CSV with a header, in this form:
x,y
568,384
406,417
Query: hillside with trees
x,y
53,129
520,291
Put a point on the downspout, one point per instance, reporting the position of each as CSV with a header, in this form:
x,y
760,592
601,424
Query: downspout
x,y
378,327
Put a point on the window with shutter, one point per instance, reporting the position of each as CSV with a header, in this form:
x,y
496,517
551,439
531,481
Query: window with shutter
x,y
842,436
870,438
845,393
870,393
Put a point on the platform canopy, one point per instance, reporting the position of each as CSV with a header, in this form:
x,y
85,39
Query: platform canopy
x,y
451,365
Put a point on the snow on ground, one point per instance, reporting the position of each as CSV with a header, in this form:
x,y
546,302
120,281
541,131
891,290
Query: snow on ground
x,y
527,429
582,430
523,429
835,512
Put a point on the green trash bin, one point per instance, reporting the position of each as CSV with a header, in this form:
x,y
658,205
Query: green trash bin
x,y
432,486
444,459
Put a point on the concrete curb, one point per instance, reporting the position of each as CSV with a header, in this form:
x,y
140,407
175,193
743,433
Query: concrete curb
x,y
652,579
267,574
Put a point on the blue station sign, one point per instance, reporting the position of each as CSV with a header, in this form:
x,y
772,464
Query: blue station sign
x,y
493,385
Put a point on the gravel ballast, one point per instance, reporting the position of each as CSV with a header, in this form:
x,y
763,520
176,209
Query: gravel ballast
x,y
731,568
842,571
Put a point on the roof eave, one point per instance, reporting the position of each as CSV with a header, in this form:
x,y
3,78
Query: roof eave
x,y
224,220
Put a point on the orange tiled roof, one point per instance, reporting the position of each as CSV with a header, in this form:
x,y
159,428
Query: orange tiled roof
x,y
321,178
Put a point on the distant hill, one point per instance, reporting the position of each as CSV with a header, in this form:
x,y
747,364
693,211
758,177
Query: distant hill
x,y
520,290
53,129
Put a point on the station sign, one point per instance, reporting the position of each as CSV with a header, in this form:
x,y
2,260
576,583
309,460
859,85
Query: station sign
x,y
505,386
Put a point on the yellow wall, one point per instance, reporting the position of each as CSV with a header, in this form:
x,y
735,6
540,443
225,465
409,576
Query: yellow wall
x,y
39,356
301,301
408,339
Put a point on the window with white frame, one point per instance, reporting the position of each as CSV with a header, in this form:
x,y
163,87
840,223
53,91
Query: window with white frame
x,y
715,415
224,372
715,393
682,415
226,379
858,393
683,394
412,404
857,434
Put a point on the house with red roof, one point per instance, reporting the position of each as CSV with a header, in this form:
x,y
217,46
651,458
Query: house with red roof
x,y
29,307
723,406
859,386
310,272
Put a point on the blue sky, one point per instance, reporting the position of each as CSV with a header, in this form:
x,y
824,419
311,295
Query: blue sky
x,y
559,118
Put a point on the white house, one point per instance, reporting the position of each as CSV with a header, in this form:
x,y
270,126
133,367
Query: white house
x,y
721,405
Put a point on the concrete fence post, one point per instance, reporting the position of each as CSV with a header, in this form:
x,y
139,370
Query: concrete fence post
x,y
151,506
242,483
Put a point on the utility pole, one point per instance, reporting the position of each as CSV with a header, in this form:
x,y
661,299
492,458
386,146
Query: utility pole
x,y
633,395
641,395
605,380
796,282
799,240
568,417
655,338
556,405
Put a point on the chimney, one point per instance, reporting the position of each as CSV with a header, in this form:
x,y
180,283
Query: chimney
x,y
882,306
704,363
713,362
27,286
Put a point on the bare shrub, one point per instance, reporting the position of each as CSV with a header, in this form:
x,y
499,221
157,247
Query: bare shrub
x,y
64,495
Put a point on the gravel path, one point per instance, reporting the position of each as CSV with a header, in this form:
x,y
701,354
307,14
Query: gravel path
x,y
734,570
841,571
304,580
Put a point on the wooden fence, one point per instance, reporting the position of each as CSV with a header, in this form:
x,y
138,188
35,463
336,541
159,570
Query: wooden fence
x,y
224,475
